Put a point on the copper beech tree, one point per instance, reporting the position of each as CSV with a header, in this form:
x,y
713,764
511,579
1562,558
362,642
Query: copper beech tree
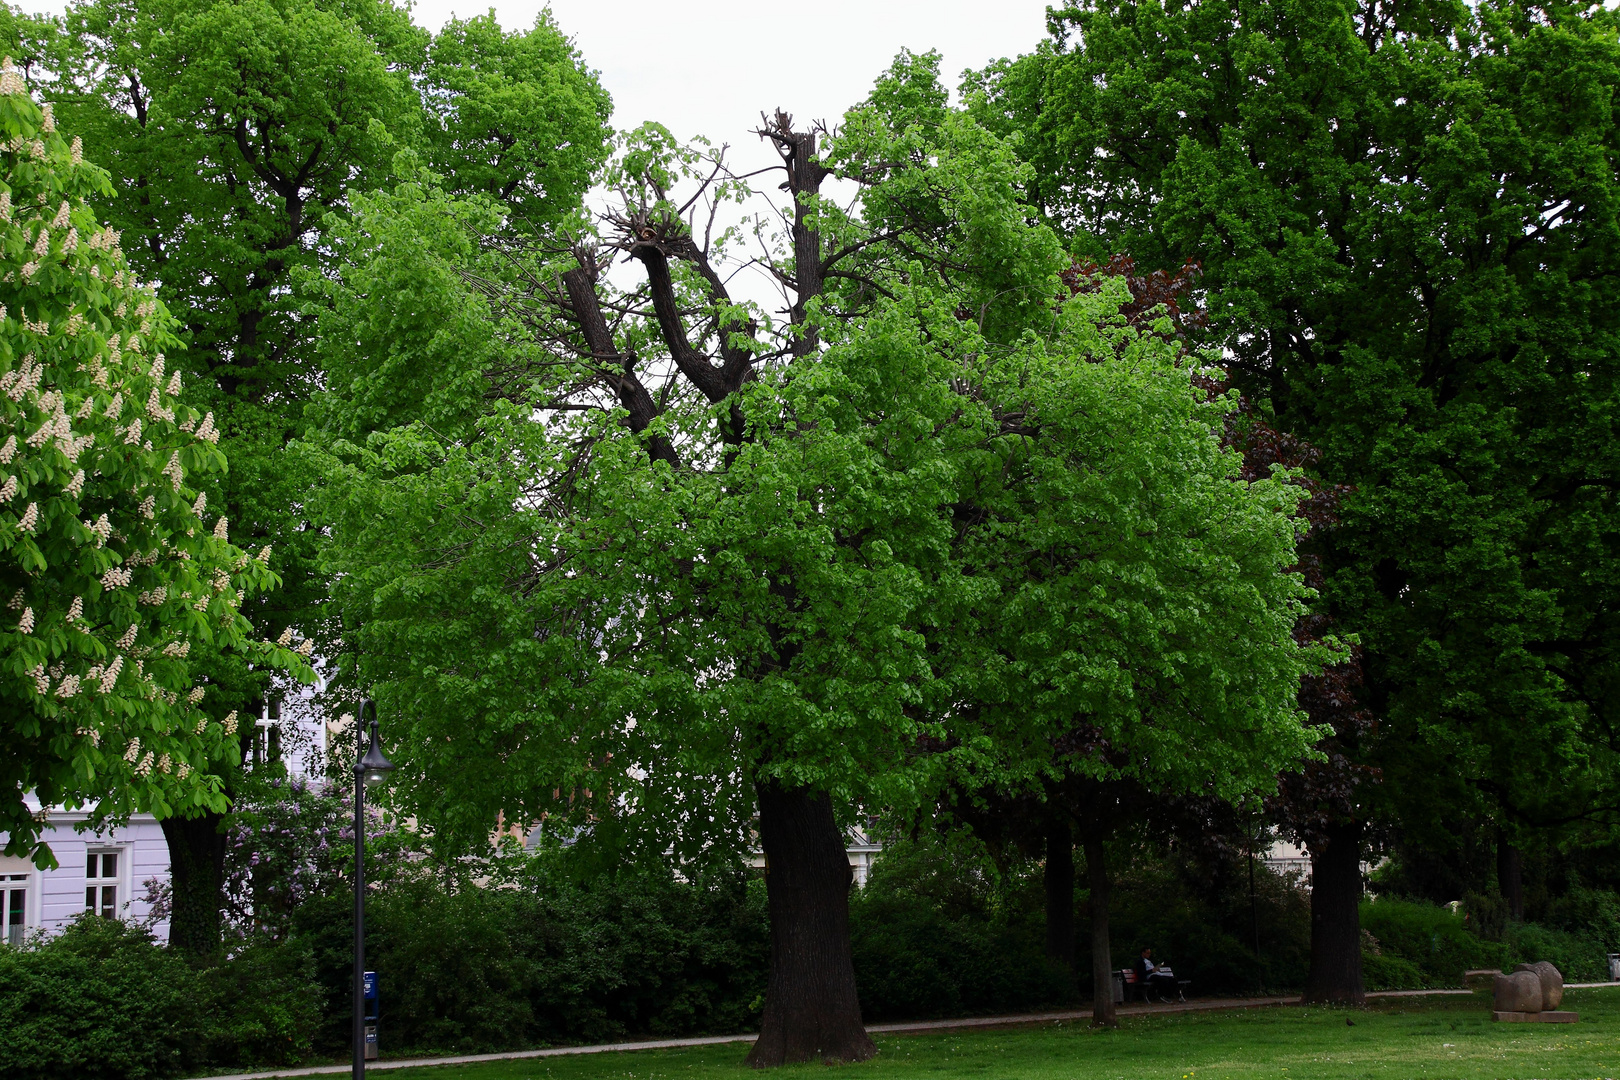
x,y
618,549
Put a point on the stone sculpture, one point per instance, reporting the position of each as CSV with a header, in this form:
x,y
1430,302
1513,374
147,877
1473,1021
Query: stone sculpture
x,y
1531,993
1519,992
1552,983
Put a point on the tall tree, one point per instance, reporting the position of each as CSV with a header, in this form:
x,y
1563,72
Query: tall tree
x,y
1407,213
112,566
645,559
232,130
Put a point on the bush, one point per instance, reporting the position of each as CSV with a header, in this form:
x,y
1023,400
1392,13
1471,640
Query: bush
x,y
937,932
1386,971
544,959
263,1006
100,999
1581,957
1433,940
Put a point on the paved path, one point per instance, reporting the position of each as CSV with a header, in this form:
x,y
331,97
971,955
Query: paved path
x,y
1196,1005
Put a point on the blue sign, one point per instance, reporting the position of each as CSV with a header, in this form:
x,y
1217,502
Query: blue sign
x,y
370,987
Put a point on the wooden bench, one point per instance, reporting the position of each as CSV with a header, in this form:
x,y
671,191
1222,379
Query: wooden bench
x,y
1129,976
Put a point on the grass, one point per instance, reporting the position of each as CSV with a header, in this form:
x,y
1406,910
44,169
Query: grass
x,y
1436,1038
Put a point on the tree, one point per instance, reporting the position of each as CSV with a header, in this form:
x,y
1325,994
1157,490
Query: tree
x,y
1407,218
646,561
1101,781
232,131
111,566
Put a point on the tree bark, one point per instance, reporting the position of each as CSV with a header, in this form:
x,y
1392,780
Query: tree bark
x,y
1059,880
1102,957
811,1009
1510,876
196,882
1335,973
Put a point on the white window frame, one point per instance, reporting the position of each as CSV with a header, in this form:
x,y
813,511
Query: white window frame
x,y
10,885
118,883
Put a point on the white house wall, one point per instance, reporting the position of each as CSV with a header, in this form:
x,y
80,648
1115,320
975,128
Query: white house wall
x,y
55,897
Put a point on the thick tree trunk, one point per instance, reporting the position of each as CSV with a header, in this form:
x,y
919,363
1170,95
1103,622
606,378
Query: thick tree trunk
x,y
1059,880
811,1010
1510,876
196,882
1102,957
1335,973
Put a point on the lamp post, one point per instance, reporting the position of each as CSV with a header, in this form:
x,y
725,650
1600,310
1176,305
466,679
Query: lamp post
x,y
369,771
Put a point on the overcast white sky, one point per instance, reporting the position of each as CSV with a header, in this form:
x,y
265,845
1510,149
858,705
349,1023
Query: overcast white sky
x,y
707,67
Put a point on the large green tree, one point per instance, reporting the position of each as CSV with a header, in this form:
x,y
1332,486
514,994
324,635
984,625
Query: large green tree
x,y
1406,213
113,566
231,131
643,559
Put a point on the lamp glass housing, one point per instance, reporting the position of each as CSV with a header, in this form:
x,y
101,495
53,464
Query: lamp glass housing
x,y
373,768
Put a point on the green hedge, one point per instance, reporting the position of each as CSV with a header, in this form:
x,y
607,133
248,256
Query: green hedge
x,y
547,960
1409,945
103,1000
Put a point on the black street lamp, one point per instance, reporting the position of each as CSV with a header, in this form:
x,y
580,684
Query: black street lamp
x,y
372,769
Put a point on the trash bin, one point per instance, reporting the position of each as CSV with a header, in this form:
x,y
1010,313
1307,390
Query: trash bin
x,y
1614,967
1119,988
370,987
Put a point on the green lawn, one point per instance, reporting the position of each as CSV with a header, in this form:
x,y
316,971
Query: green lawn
x,y
1413,1037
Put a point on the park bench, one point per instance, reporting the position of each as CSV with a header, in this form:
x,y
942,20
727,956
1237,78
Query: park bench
x,y
1129,977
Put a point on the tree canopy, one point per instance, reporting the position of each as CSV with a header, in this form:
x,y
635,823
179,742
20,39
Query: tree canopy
x,y
112,564
1407,215
645,559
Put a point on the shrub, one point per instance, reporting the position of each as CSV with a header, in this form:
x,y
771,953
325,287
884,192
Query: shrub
x,y
1581,957
103,999
1386,971
1433,940
100,999
263,1006
937,932
542,958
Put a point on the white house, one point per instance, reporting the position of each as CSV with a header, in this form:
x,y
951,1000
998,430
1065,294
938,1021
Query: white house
x,y
109,872
101,872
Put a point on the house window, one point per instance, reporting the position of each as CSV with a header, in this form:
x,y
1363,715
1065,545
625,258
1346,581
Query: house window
x,y
101,883
14,906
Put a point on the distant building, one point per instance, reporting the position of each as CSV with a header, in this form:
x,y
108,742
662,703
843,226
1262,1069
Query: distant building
x,y
110,873
1287,857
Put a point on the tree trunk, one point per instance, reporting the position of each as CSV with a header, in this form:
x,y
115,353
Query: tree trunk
x,y
196,882
1059,880
1335,973
811,1009
1102,958
1510,876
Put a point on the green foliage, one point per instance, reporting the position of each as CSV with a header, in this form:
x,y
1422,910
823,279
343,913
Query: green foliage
x,y
938,932
806,604
102,1000
111,571
1408,222
514,116
98,1001
547,958
1432,941
1582,956
233,130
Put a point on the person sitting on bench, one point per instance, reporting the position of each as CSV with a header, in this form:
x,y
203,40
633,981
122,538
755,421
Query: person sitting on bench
x,y
1152,980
